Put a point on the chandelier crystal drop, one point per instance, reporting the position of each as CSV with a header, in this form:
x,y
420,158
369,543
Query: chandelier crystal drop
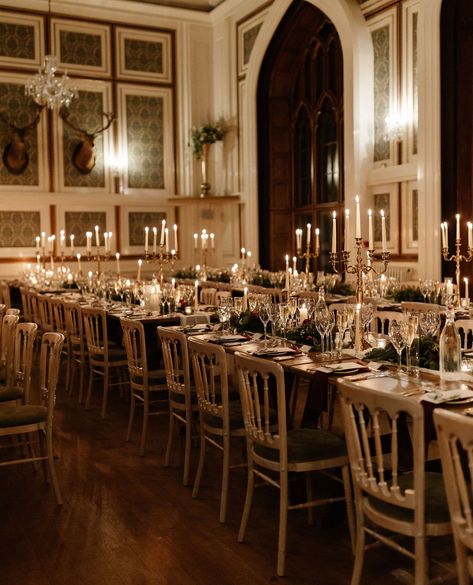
x,y
48,90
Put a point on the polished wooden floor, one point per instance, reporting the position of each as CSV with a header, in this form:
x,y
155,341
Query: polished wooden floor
x,y
128,520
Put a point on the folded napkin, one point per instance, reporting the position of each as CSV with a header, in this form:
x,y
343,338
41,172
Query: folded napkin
x,y
274,351
223,339
345,367
442,396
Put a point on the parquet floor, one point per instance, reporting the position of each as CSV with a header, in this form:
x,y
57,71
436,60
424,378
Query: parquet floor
x,y
128,520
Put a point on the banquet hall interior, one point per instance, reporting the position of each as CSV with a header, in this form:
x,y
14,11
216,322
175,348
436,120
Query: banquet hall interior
x,y
191,159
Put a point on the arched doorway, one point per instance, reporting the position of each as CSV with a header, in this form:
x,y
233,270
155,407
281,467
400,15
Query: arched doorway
x,y
300,132
457,120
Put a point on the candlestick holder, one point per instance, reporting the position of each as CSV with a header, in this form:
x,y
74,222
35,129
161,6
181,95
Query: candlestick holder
x,y
161,257
98,258
308,256
458,258
341,265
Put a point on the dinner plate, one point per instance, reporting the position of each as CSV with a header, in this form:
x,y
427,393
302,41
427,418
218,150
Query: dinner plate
x,y
467,400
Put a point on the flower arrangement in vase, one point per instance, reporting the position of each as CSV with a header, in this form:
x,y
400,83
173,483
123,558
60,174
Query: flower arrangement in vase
x,y
201,139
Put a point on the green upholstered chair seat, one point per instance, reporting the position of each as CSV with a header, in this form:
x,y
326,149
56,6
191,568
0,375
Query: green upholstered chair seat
x,y
307,445
13,416
177,397
235,414
114,355
11,393
436,507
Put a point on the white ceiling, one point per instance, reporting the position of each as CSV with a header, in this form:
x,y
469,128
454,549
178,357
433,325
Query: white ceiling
x,y
202,5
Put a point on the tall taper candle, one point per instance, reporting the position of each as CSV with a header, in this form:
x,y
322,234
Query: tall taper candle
x,y
117,256
72,237
446,233
196,295
309,228
196,240
166,239
317,240
176,247
357,218
298,239
97,236
146,239
458,226
470,234
287,284
370,230
88,241
37,242
163,227
334,232
383,231
155,240
346,242
138,276
212,241
79,269
245,299
467,294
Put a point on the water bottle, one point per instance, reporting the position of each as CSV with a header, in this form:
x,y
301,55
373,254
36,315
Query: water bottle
x,y
449,348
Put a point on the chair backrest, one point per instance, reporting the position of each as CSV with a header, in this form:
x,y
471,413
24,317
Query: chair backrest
x,y
95,327
222,294
7,345
34,304
261,384
25,335
2,314
209,364
364,409
12,311
381,320
49,362
26,304
455,440
5,293
135,346
208,296
176,364
59,316
74,325
45,309
465,329
421,307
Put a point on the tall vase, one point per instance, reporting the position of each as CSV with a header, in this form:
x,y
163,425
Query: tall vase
x,y
205,185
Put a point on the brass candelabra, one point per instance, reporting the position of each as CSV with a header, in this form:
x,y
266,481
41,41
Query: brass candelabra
x,y
161,257
308,256
458,258
341,265
98,258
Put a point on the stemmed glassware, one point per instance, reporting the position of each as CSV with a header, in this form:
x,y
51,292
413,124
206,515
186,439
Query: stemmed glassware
x,y
224,311
429,322
397,339
342,326
264,315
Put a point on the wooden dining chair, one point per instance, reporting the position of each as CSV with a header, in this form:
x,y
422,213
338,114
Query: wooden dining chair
x,y
105,359
455,439
5,293
148,387
29,420
9,324
276,452
412,504
208,296
465,329
78,355
381,320
220,418
182,396
18,390
46,315
26,304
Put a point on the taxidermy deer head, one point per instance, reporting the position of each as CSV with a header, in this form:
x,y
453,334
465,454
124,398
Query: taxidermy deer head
x,y
83,155
15,154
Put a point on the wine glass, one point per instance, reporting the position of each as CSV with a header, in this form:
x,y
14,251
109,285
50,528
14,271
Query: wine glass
x,y
342,325
398,340
224,311
409,331
264,315
429,323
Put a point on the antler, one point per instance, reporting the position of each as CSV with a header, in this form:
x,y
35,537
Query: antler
x,y
64,113
23,129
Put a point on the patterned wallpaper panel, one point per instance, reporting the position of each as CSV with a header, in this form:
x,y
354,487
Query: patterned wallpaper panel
x,y
415,77
17,41
80,48
144,56
85,112
145,140
20,111
79,222
382,201
138,220
380,39
249,38
19,228
415,215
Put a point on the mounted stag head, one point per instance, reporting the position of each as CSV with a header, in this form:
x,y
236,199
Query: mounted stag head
x,y
83,155
15,155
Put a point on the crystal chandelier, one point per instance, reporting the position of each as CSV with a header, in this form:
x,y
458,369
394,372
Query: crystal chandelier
x,y
48,90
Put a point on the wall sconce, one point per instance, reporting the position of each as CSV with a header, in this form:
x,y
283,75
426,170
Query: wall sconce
x,y
118,166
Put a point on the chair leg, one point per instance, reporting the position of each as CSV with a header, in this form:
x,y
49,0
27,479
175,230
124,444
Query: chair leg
x,y
225,477
167,457
81,382
420,561
89,389
187,450
144,432
310,497
360,544
462,562
349,506
131,417
51,468
283,505
200,466
106,375
69,378
248,500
